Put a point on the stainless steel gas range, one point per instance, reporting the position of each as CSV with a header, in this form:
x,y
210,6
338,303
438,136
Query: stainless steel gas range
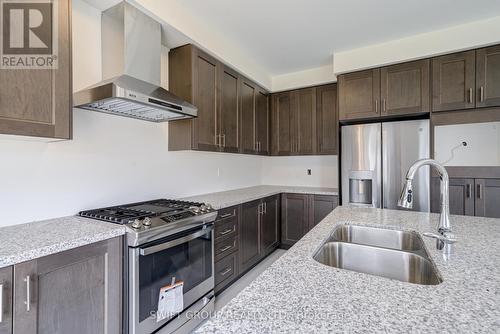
x,y
168,243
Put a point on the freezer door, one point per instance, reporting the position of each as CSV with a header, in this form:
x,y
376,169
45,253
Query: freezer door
x,y
403,143
361,165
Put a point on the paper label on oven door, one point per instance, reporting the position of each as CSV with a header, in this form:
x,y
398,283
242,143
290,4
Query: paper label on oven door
x,y
170,301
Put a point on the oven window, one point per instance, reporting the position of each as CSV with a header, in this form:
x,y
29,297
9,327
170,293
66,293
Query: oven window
x,y
190,262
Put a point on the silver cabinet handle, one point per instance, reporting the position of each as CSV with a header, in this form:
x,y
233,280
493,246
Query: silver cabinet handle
x,y
471,91
229,230
223,140
217,140
265,208
1,303
384,109
479,191
468,190
226,215
28,293
481,94
223,249
376,106
225,272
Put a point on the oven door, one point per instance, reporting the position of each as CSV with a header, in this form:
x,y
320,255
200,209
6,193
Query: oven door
x,y
187,256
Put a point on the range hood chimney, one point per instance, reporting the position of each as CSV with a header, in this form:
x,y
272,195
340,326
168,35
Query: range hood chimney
x,y
131,70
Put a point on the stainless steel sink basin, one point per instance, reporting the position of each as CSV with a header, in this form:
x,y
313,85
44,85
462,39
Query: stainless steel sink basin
x,y
399,265
378,237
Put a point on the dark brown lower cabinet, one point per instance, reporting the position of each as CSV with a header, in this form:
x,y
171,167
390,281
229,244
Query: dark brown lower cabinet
x,y
76,291
226,249
301,212
250,234
6,300
488,198
469,197
461,196
269,226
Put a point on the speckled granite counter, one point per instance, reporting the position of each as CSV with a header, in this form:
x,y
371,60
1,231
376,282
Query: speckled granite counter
x,y
29,241
225,199
299,295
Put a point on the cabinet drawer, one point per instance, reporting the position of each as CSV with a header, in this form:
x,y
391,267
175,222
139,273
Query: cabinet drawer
x,y
226,247
225,271
226,228
226,213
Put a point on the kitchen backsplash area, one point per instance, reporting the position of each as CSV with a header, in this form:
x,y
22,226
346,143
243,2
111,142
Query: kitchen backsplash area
x,y
475,144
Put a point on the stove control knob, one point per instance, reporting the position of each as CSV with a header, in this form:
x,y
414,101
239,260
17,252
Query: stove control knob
x,y
146,221
137,224
203,208
209,207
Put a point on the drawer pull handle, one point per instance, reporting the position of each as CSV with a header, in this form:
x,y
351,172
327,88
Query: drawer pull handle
x,y
226,271
1,303
229,230
226,215
28,293
223,249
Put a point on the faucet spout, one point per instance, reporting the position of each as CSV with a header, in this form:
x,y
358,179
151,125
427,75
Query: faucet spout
x,y
407,196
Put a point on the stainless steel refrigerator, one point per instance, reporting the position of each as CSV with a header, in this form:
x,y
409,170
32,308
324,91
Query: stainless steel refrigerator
x,y
375,158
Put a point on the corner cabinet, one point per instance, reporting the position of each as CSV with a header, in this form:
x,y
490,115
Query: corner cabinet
x,y
305,121
232,110
301,212
76,291
38,102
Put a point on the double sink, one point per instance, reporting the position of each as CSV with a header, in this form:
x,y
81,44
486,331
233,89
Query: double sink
x,y
393,254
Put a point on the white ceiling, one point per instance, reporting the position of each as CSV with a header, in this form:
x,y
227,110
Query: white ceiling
x,y
285,36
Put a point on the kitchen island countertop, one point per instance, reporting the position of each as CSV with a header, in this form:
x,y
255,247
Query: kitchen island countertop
x,y
299,295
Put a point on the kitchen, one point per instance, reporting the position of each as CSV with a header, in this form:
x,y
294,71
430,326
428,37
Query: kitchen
x,y
278,142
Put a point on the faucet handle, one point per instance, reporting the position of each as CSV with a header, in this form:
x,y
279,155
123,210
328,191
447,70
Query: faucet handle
x,y
446,237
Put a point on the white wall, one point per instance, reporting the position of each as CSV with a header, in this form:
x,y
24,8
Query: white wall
x,y
483,144
453,39
293,171
114,160
301,79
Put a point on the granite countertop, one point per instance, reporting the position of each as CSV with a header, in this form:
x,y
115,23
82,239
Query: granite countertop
x,y
29,241
229,198
299,295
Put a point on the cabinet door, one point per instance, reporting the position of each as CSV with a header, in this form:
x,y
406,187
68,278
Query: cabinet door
x,y
488,198
405,88
488,76
454,81
6,300
305,116
205,98
282,123
326,119
461,196
262,122
294,218
270,225
320,207
77,291
37,102
247,117
359,95
249,234
228,110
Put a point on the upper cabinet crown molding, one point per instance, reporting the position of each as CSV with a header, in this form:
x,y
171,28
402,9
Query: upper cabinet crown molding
x,y
38,102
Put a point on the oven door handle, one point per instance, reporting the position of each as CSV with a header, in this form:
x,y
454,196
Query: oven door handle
x,y
158,248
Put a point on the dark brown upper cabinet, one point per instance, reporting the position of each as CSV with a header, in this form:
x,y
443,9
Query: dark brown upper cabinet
x,y
38,102
326,119
405,88
247,107
359,95
231,109
262,122
304,121
228,119
282,121
453,81
488,76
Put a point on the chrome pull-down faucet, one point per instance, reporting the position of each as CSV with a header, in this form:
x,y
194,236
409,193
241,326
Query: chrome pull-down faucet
x,y
444,235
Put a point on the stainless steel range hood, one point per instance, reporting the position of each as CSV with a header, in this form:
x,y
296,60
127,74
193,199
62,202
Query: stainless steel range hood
x,y
131,63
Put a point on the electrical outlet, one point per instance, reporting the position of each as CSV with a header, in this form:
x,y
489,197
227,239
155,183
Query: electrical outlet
x,y
309,171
